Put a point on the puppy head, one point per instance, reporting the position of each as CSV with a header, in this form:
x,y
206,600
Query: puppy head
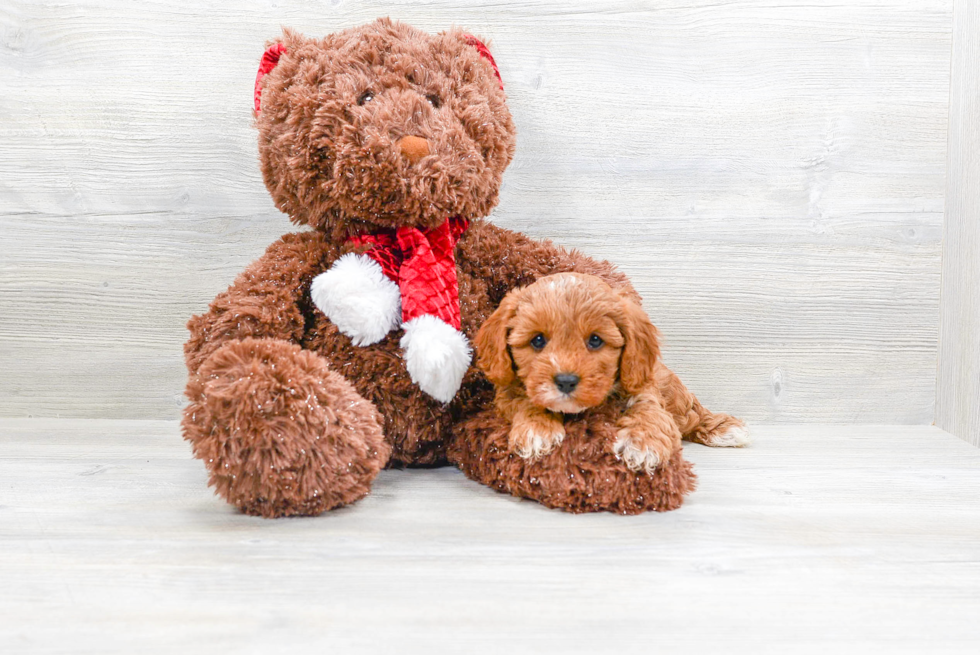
x,y
568,338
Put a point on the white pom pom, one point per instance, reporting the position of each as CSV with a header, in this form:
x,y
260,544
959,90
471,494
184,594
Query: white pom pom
x,y
436,356
358,298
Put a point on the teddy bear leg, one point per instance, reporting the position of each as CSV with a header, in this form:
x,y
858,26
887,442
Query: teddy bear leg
x,y
581,474
279,432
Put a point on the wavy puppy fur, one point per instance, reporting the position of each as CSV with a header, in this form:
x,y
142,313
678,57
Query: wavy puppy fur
x,y
569,342
589,418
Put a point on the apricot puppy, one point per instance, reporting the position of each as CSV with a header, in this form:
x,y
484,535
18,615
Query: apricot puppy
x,y
569,342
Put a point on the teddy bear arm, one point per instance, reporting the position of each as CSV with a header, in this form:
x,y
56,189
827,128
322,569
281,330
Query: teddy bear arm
x,y
506,259
575,261
265,301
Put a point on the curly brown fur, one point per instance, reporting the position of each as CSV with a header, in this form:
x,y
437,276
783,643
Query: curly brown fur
x,y
570,343
580,475
350,97
342,168
282,434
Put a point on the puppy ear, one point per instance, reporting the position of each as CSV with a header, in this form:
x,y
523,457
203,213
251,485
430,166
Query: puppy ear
x,y
493,358
641,350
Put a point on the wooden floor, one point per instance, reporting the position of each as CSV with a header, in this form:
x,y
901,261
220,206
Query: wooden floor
x,y
813,540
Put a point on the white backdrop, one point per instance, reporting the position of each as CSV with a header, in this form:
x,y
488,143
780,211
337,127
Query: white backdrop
x,y
770,175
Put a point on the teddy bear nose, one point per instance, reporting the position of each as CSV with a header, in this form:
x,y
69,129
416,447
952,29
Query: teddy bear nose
x,y
566,382
413,148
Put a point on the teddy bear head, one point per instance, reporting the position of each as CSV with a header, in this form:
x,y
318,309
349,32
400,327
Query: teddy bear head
x,y
381,126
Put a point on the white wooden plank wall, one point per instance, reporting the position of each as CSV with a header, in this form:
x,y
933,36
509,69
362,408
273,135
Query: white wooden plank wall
x,y
770,175
958,382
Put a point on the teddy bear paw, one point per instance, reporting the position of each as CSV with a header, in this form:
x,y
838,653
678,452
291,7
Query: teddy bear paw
x,y
436,356
358,298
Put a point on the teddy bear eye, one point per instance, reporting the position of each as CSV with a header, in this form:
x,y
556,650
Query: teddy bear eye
x,y
595,342
434,100
367,96
538,341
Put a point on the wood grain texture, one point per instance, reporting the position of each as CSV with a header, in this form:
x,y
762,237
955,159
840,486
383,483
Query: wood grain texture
x,y
815,539
771,176
958,382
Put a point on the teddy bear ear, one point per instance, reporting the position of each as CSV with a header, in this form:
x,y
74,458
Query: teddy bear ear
x,y
269,60
484,51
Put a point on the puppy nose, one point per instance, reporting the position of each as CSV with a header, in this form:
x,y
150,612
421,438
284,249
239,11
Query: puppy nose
x,y
413,148
566,382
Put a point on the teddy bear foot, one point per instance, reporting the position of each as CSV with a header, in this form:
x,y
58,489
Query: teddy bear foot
x,y
581,474
279,432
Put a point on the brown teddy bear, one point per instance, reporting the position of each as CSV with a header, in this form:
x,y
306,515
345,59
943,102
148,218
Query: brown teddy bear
x,y
346,348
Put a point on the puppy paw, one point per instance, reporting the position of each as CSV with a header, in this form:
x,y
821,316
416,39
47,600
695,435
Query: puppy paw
x,y
734,437
641,451
531,439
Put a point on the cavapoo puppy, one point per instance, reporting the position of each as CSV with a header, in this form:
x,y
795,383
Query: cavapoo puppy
x,y
569,342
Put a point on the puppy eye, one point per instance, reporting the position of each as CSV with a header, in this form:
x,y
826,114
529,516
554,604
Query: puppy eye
x,y
595,342
365,97
434,100
538,341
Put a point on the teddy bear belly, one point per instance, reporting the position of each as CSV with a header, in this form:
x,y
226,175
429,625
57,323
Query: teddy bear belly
x,y
416,426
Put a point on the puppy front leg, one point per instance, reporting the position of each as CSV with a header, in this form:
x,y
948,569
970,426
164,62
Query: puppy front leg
x,y
535,432
647,434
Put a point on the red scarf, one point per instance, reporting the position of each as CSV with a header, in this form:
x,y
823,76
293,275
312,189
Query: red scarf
x,y
423,265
